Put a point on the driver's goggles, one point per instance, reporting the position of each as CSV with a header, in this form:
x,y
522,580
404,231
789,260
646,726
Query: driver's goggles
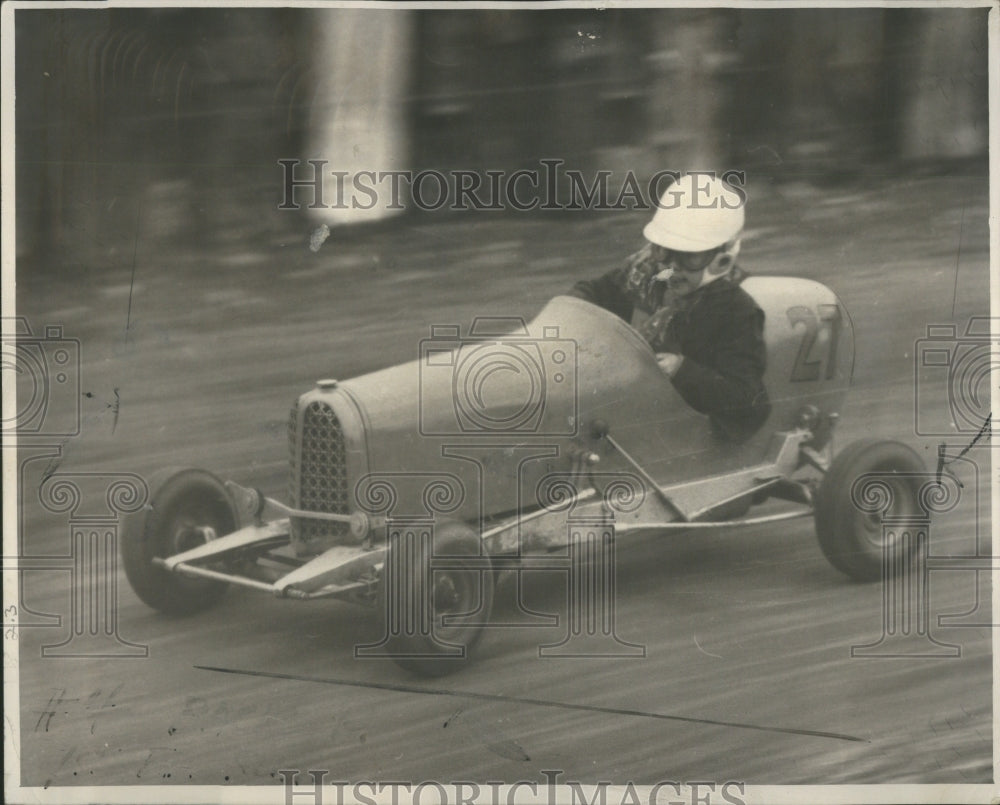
x,y
690,262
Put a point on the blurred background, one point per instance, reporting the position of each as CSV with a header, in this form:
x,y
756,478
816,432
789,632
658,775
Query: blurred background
x,y
185,112
148,228
149,186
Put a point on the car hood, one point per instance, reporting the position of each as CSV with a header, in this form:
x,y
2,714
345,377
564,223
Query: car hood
x,y
490,414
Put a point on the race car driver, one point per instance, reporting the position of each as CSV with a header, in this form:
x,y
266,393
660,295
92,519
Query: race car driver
x,y
706,331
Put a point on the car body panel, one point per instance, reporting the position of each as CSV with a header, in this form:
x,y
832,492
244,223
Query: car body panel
x,y
532,438
484,412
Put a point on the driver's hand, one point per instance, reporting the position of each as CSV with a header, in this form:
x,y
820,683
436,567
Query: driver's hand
x,y
669,362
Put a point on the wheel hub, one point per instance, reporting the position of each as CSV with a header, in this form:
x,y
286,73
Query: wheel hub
x,y
445,594
191,536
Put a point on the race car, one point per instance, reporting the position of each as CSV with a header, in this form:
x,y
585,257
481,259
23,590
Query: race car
x,y
412,488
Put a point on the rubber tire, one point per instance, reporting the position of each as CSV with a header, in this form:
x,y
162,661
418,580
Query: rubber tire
x,y
176,495
450,540
845,533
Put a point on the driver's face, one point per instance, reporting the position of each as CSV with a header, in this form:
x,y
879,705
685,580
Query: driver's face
x,y
688,267
684,282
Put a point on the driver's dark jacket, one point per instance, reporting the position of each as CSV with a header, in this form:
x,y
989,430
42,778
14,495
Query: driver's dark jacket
x,y
719,330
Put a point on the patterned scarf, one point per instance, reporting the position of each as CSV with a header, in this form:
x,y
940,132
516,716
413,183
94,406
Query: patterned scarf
x,y
640,280
652,296
655,298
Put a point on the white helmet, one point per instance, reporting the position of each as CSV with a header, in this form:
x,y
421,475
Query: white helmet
x,y
696,213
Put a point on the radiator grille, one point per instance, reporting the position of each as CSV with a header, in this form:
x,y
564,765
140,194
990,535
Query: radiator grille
x,y
318,477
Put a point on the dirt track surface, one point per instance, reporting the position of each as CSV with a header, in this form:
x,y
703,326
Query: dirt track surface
x,y
748,627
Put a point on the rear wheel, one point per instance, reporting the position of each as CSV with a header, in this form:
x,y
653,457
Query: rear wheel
x,y
187,508
436,599
853,539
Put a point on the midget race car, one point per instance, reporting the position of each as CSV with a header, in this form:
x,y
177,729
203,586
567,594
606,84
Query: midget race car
x,y
412,488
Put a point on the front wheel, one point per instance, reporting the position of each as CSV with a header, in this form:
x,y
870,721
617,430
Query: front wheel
x,y
850,538
437,596
187,507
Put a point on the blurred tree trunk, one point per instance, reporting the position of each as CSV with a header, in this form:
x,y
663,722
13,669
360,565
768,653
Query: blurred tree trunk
x,y
360,122
689,96
945,95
